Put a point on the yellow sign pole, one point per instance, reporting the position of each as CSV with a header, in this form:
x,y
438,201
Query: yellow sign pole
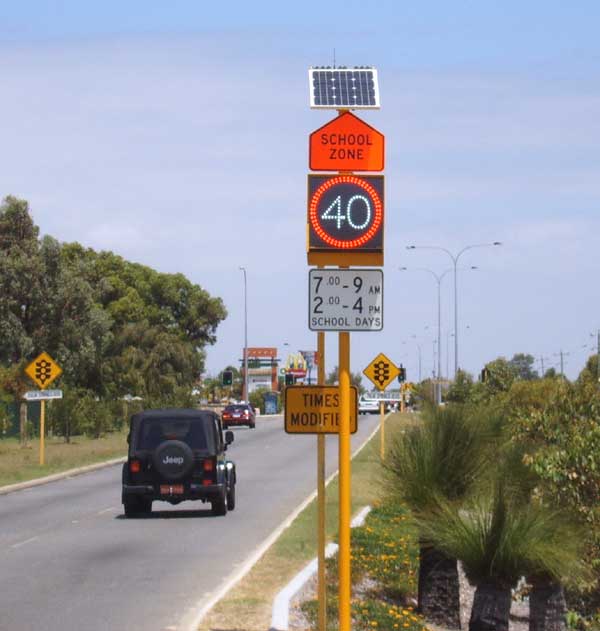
x,y
42,430
344,485
382,427
321,576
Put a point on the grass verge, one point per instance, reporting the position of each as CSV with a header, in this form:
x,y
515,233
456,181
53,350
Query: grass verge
x,y
251,599
18,464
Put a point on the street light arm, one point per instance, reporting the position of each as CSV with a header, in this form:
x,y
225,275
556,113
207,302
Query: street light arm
x,y
477,245
432,247
437,277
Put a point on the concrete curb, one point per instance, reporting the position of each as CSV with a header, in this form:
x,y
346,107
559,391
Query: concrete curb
x,y
280,619
19,486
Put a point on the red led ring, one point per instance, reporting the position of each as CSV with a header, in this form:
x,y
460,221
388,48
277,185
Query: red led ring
x,y
318,228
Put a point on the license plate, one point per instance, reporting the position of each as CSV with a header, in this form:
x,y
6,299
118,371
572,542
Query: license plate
x,y
173,489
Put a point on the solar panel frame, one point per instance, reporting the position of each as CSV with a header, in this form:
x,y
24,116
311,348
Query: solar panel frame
x,y
343,88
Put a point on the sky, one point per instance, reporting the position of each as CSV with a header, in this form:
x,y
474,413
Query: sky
x,y
176,135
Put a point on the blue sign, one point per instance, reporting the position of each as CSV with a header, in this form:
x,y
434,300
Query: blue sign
x,y
270,402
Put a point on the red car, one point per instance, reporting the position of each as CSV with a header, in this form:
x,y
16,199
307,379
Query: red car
x,y
238,414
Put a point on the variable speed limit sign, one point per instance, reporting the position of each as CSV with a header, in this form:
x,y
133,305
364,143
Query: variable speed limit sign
x,y
345,300
345,220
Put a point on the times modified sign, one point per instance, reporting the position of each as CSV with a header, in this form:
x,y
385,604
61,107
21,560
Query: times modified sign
x,y
345,300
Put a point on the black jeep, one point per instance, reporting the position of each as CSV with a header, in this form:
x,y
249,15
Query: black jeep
x,y
177,455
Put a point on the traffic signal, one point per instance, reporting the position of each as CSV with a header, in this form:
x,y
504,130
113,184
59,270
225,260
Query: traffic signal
x,y
485,374
401,374
227,377
289,379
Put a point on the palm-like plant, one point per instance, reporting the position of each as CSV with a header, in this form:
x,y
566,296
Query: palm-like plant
x,y
498,539
440,458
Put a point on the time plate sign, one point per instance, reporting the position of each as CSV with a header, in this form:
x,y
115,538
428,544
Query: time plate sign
x,y
345,300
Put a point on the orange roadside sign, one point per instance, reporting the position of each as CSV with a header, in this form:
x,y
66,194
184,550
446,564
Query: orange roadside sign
x,y
346,143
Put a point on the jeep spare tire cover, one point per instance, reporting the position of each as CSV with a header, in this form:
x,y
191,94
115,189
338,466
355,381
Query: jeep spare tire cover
x,y
173,459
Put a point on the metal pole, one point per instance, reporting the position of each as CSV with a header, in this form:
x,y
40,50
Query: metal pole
x,y
382,428
42,431
321,575
455,318
439,367
455,262
245,393
344,484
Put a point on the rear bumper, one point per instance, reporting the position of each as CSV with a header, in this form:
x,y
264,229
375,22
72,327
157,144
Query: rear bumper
x,y
191,491
231,422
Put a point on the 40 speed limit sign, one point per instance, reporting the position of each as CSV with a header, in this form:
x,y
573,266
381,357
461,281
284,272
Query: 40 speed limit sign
x,y
345,300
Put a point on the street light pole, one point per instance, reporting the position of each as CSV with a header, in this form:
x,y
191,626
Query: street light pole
x,y
454,258
438,279
245,397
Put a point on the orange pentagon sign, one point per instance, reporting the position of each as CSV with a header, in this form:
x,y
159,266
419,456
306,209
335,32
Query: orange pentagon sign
x,y
346,143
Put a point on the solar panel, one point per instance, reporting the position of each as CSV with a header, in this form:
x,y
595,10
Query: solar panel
x,y
335,88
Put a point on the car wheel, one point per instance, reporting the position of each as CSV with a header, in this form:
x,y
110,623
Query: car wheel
x,y
219,506
231,498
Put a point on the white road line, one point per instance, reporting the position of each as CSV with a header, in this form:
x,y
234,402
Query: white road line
x,y
23,543
107,510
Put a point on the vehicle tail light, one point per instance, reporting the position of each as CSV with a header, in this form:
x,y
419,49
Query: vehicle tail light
x,y
135,466
208,465
246,413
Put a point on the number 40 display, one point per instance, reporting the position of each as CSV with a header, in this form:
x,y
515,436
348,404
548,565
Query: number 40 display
x,y
345,213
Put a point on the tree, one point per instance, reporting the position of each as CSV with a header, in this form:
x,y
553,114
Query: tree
x,y
460,390
523,366
115,327
500,376
498,539
355,380
440,458
590,373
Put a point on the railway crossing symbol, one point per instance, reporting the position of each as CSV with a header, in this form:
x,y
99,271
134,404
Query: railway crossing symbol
x,y
381,371
43,370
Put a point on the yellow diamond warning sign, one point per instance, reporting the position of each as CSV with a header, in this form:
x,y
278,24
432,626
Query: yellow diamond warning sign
x,y
43,370
316,409
381,371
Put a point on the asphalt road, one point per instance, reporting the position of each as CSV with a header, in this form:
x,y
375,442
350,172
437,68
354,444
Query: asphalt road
x,y
70,561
